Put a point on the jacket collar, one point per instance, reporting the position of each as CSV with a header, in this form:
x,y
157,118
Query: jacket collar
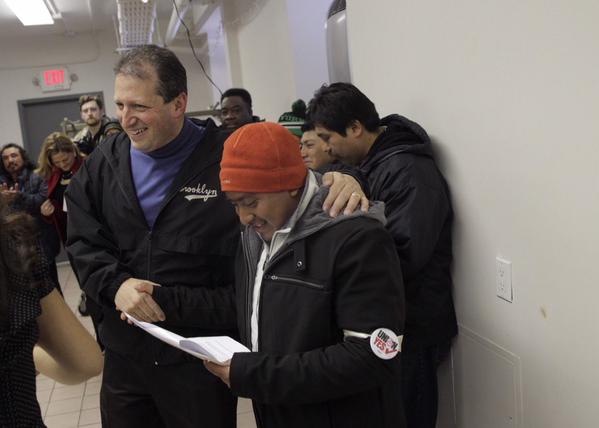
x,y
116,151
280,236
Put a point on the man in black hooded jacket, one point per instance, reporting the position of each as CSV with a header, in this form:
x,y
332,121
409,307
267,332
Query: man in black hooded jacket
x,y
396,157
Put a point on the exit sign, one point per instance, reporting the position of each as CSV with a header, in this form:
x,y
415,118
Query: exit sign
x,y
55,79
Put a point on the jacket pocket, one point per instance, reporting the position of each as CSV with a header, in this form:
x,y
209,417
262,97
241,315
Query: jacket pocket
x,y
296,281
296,314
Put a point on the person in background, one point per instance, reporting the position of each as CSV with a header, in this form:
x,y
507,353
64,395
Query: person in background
x,y
32,311
313,294
314,150
294,119
236,109
396,157
59,159
25,191
98,125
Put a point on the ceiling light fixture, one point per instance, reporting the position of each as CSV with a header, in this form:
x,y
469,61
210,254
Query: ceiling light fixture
x,y
31,12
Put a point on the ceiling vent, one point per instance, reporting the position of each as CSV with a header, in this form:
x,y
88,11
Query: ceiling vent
x,y
136,22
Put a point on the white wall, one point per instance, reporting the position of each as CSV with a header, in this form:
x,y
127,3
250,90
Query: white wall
x,y
261,59
308,42
212,48
92,58
275,49
510,95
198,87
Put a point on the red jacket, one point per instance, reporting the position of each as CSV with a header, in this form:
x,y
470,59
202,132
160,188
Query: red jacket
x,y
59,217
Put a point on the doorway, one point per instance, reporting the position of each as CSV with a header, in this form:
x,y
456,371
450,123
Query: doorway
x,y
42,116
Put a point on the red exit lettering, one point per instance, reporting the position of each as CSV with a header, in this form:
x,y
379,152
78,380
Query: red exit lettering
x,y
54,77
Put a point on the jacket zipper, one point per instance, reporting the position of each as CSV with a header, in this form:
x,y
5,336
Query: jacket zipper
x,y
248,303
148,270
295,281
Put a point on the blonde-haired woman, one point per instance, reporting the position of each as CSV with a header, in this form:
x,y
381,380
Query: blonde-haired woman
x,y
59,159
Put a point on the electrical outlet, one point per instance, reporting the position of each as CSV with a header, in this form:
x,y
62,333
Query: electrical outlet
x,y
503,279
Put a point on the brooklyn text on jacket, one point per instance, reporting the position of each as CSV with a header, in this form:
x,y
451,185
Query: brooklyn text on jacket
x,y
199,192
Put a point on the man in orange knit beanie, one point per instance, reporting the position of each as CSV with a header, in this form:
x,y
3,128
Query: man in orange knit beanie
x,y
319,300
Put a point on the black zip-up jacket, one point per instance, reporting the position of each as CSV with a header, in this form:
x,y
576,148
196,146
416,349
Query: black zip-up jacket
x,y
330,275
189,252
401,172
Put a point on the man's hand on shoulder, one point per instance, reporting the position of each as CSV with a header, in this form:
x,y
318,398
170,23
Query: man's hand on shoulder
x,y
135,298
345,194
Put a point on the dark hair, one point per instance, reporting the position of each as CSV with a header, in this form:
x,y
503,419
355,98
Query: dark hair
x,y
27,164
298,108
336,106
238,92
87,98
308,126
18,253
172,78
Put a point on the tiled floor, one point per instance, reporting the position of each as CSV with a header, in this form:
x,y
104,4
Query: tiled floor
x,y
79,405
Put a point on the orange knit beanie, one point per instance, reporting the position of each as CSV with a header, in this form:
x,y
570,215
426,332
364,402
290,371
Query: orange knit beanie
x,y
261,157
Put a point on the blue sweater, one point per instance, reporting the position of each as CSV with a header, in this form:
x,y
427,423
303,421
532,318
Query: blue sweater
x,y
154,172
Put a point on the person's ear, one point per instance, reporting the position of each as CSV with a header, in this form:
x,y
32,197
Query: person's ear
x,y
180,103
355,129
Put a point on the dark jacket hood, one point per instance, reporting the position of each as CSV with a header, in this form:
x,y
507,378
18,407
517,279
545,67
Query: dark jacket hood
x,y
315,218
400,136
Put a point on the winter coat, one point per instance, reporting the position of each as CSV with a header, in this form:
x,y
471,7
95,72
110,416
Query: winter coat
x,y
401,172
189,251
87,143
330,276
59,217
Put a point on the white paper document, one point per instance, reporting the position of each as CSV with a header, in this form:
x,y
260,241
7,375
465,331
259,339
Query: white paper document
x,y
218,349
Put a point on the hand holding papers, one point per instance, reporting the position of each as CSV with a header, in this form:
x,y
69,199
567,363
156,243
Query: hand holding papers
x,y
218,349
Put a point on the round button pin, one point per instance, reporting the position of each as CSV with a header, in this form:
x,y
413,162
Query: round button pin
x,y
384,343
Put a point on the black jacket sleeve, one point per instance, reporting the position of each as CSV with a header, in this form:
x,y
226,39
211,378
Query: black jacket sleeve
x,y
417,207
205,305
90,244
348,170
201,306
368,295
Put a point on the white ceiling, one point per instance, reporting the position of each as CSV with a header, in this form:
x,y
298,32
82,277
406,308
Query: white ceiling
x,y
77,16
74,36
